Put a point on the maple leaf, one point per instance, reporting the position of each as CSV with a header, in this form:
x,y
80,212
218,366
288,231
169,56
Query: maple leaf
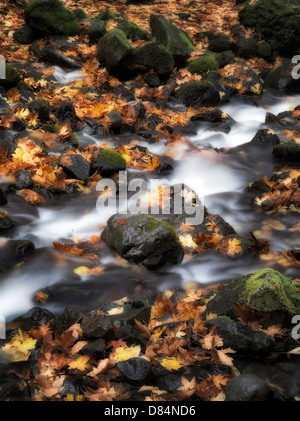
x,y
31,197
220,381
18,349
171,363
223,357
41,297
187,241
230,247
80,364
123,354
101,367
188,387
122,221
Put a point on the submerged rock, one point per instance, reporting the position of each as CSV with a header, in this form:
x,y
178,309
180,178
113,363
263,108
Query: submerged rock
x,y
265,291
50,17
143,240
287,152
247,388
174,39
3,200
13,252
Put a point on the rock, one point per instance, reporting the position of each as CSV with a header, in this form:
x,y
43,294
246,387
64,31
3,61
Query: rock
x,y
95,349
24,35
198,94
144,240
246,47
218,82
116,120
96,326
211,116
221,43
225,57
281,79
242,73
277,20
136,370
108,162
140,110
6,223
240,338
177,42
3,200
247,388
265,291
107,15
76,166
34,318
50,17
41,107
154,56
134,309
131,336
67,318
13,252
12,77
170,382
79,14
265,137
96,30
133,31
152,80
265,51
287,152
23,179
49,55
205,63
66,114
112,48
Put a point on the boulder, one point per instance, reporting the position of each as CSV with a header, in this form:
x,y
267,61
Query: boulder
x,y
143,240
79,14
6,223
24,35
133,31
96,30
247,388
41,107
108,162
246,47
198,94
155,56
277,20
265,137
95,349
221,43
135,370
281,79
287,152
49,55
76,166
13,252
265,291
174,39
203,64
112,48
12,77
50,17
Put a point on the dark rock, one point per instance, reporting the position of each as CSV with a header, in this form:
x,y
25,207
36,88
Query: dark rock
x,y
240,338
177,42
265,137
287,152
67,318
133,31
221,43
281,79
79,14
144,240
154,56
12,77
136,370
3,200
50,17
23,179
13,252
96,326
66,114
152,80
135,309
49,55
6,223
140,110
41,107
76,166
112,48
246,47
34,318
24,35
116,121
108,162
213,116
95,349
251,82
96,30
107,15
198,94
131,336
203,64
277,20
225,58
265,51
247,387
170,382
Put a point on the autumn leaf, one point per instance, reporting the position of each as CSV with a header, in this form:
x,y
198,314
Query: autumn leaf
x,y
187,241
18,349
41,297
31,197
123,354
80,364
171,363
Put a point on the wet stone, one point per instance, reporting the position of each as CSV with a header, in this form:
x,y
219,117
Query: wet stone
x,y
13,252
96,326
247,388
136,370
95,349
76,166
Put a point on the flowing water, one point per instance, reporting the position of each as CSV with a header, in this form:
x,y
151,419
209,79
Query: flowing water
x,y
221,177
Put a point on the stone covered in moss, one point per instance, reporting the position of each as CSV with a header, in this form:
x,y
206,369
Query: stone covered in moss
x,y
155,56
281,79
133,31
50,17
277,20
107,15
12,76
204,64
24,35
198,94
174,39
264,50
265,291
79,14
96,30
287,152
113,48
144,240
108,162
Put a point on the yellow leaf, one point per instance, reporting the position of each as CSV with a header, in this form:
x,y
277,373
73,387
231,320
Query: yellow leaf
x,y
81,271
187,241
18,349
80,364
123,354
171,363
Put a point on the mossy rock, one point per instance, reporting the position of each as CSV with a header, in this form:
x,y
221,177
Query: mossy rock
x,y
12,76
281,79
133,31
107,15
266,291
265,51
24,35
79,14
198,94
174,39
287,152
155,56
144,240
204,64
108,162
96,30
50,17
277,20
112,48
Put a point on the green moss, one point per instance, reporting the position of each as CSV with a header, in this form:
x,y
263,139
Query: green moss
x,y
79,14
113,47
107,15
155,56
12,76
50,17
133,31
269,290
24,35
204,64
96,30
154,223
112,158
